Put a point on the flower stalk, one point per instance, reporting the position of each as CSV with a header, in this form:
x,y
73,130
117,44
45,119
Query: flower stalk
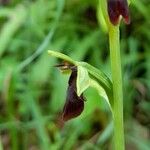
x,y
113,11
114,42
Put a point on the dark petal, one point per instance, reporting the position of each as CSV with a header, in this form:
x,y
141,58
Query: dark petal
x,y
74,104
117,8
124,10
73,77
113,12
73,108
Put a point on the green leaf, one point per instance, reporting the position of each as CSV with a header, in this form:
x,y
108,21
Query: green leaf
x,y
101,91
105,135
101,18
83,80
15,21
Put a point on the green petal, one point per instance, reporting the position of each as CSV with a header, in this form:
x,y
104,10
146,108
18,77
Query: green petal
x,y
83,80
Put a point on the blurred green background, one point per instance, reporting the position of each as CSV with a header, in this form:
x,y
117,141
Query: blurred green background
x,y
32,91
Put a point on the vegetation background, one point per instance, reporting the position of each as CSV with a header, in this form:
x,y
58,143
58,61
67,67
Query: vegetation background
x,y
32,91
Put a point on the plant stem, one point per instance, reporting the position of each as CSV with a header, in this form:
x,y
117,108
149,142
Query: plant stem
x,y
114,41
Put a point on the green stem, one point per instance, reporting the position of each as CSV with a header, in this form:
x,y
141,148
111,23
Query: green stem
x,y
114,41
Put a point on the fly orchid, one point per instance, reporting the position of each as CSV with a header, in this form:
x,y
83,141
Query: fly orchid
x,y
74,104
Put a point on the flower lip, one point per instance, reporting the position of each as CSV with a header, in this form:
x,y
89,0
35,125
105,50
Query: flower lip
x,y
117,8
74,104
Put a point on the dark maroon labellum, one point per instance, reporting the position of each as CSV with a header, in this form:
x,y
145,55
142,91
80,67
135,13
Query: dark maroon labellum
x,y
117,8
74,104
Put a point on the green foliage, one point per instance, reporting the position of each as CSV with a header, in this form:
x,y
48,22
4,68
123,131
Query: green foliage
x,y
32,91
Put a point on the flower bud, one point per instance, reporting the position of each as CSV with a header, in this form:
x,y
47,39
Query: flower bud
x,y
117,8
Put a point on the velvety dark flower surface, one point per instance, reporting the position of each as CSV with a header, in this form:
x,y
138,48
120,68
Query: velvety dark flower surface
x,y
117,8
74,104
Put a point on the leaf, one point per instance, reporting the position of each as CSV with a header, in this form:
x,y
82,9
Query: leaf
x,y
106,134
83,80
9,29
101,18
100,91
